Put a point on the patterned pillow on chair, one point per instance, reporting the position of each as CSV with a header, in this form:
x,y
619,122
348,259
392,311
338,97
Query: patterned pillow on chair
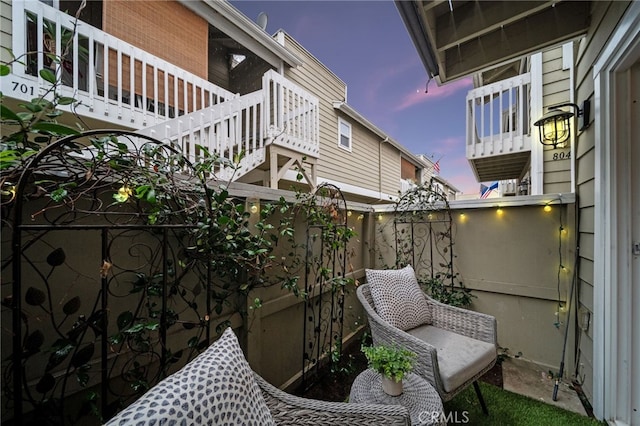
x,y
397,297
216,388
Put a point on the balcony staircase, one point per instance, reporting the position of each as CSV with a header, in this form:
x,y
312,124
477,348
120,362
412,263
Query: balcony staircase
x,y
279,120
259,136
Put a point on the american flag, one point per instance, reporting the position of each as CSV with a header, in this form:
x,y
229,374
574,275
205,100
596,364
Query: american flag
x,y
436,166
485,191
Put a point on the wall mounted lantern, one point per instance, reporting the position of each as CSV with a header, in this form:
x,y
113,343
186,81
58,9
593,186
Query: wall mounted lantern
x,y
555,125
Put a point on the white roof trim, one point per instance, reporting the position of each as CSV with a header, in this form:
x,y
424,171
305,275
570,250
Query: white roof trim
x,y
224,16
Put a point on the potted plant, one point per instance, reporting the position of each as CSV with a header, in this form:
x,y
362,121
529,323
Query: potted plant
x,y
393,363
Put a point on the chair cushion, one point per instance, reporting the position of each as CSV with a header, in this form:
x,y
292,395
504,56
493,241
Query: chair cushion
x,y
217,387
397,297
459,357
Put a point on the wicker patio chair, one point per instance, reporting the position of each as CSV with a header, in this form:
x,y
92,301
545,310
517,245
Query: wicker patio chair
x,y
219,387
287,409
454,346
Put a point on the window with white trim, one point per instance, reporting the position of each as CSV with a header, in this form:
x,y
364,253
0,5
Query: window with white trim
x,y
344,135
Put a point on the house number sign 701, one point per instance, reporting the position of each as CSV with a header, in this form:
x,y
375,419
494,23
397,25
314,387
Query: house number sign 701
x,y
23,88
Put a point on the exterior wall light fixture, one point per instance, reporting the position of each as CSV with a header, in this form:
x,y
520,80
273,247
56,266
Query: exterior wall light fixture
x,y
555,125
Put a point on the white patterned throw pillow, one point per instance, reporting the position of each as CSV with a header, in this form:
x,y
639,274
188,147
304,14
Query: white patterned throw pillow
x,y
216,388
397,297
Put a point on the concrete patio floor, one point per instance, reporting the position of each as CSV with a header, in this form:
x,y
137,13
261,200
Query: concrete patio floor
x,y
528,379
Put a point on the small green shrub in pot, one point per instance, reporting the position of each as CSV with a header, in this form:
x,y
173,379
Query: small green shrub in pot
x,y
392,362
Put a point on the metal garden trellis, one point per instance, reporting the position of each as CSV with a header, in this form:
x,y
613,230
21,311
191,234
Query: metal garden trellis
x,y
135,203
423,237
325,278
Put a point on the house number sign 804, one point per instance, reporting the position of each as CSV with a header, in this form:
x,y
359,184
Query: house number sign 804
x,y
25,89
562,155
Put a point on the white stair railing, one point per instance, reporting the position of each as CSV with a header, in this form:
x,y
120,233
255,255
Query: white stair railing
x,y
232,130
291,115
239,129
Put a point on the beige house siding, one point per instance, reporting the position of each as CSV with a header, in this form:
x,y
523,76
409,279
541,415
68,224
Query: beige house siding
x,y
361,166
604,18
5,30
555,90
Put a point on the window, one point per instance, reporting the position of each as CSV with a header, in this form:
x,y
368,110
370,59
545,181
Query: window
x,y
344,135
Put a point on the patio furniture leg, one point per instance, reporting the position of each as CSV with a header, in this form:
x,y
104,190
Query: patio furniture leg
x,y
480,398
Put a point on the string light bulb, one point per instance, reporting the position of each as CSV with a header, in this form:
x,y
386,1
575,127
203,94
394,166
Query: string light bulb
x,y
349,213
547,208
499,211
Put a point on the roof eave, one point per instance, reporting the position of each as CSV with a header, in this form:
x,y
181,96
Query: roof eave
x,y
420,37
235,24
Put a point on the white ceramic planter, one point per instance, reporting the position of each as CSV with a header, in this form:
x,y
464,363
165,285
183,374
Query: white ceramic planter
x,y
391,387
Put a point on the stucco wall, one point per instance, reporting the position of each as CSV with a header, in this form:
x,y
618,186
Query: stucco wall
x,y
511,262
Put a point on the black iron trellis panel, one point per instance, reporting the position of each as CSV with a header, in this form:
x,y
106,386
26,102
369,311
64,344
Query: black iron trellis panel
x,y
325,271
423,234
97,282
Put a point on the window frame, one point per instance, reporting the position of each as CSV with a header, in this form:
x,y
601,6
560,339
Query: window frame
x,y
342,121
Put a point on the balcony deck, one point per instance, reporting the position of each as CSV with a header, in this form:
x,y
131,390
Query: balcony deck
x,y
122,86
498,134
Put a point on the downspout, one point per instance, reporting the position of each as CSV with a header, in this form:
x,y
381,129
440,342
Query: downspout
x,y
386,139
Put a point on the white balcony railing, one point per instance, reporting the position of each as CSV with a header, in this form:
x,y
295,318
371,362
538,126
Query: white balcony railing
x,y
281,113
122,84
114,80
498,118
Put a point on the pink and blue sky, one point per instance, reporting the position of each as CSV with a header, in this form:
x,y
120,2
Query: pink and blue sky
x,y
367,46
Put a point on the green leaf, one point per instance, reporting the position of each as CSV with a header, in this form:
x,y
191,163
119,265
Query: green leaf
x,y
193,341
48,75
5,70
63,349
55,128
64,100
59,194
151,196
33,107
25,116
124,319
152,326
135,329
8,114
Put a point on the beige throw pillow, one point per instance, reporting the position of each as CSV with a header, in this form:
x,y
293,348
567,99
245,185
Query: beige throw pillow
x,y
397,297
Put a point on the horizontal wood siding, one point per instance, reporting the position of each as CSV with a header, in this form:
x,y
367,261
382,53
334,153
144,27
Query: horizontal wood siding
x,y
555,90
5,30
360,167
604,18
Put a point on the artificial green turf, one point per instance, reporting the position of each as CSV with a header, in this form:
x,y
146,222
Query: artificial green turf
x,y
508,409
